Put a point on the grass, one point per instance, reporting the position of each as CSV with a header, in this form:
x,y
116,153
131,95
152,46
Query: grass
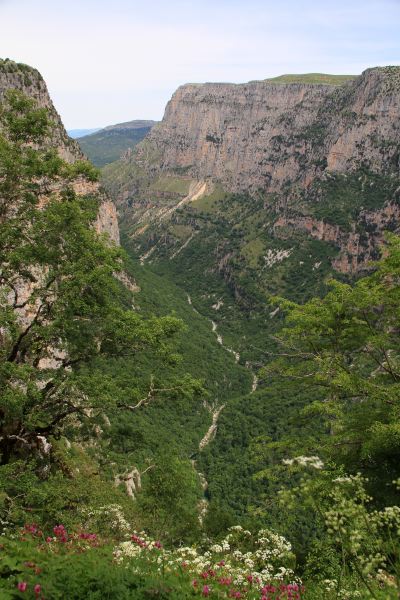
x,y
168,183
315,78
117,175
252,251
209,203
181,231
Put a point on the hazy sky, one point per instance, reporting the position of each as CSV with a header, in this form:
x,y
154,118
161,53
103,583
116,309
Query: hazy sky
x,y
107,61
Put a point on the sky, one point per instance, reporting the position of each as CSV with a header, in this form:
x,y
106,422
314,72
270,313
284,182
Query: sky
x,y
109,61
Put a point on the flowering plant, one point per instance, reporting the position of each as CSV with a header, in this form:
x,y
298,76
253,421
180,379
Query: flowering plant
x,y
242,565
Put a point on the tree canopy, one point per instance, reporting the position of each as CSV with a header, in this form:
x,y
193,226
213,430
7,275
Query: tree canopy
x,y
346,344
61,303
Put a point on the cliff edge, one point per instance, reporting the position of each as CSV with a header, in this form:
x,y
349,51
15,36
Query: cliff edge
x,y
29,81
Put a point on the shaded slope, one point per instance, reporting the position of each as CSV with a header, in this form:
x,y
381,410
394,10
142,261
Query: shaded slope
x,y
108,144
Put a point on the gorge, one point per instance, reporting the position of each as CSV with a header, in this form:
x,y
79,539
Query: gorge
x,y
228,341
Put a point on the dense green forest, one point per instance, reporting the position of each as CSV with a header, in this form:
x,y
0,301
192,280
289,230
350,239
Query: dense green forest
x,y
112,483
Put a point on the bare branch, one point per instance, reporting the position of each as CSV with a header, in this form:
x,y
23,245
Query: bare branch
x,y
153,391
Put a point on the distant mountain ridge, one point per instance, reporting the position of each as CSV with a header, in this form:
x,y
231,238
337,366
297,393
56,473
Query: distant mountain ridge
x,y
136,124
78,133
107,145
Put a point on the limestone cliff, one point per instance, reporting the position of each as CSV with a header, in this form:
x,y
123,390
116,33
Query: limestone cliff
x,y
265,135
30,82
322,152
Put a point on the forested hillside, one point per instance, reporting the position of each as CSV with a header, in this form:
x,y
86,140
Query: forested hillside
x,y
109,144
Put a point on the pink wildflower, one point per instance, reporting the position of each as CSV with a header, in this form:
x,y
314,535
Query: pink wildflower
x,y
37,589
92,537
206,590
59,530
22,585
61,533
31,528
268,588
135,538
158,544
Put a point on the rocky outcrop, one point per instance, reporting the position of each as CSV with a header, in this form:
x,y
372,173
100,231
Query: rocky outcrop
x,y
29,81
107,221
266,135
356,249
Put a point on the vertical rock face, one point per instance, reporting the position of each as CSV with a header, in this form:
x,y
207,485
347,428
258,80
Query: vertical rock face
x,y
232,133
265,135
30,82
322,152
366,131
107,221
